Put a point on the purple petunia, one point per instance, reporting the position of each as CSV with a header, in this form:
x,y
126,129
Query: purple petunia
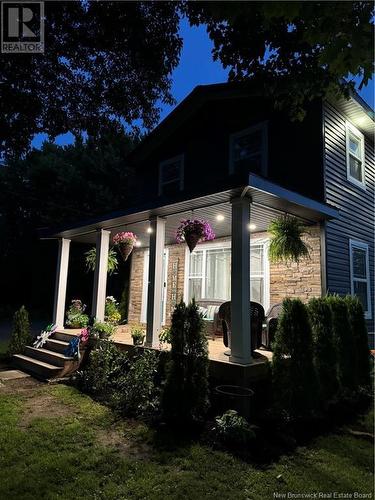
x,y
194,226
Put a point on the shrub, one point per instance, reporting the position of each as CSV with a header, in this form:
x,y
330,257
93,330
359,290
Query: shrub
x,y
344,340
360,336
325,356
20,336
232,430
75,317
293,373
102,330
185,397
112,313
136,393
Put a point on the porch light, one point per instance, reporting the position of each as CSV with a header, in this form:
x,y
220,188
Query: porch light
x,y
138,243
149,230
220,217
252,227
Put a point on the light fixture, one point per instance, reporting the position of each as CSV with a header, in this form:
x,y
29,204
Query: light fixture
x,y
252,227
138,243
220,217
149,229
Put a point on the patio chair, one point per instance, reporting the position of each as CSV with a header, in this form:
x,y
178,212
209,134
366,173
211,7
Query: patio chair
x,y
210,309
256,322
270,325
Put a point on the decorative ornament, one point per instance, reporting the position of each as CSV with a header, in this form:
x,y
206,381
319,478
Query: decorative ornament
x,y
193,231
44,336
286,243
125,242
72,350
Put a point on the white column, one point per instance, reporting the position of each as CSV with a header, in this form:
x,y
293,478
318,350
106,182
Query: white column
x,y
61,282
240,282
100,275
155,281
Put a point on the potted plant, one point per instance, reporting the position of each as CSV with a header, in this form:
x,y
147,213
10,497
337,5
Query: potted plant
x,y
102,330
193,231
75,317
125,242
112,314
90,258
138,335
286,244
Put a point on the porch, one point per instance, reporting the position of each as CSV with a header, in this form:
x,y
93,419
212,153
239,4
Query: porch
x,y
239,217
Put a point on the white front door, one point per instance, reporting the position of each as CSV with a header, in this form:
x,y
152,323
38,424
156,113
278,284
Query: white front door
x,y
145,286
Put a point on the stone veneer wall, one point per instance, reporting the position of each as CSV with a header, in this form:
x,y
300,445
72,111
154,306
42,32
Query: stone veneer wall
x,y
302,280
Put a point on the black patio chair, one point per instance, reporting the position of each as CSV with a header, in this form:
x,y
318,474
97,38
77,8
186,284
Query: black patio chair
x,y
256,323
270,325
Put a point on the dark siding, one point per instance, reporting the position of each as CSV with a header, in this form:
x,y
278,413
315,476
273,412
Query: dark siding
x,y
355,204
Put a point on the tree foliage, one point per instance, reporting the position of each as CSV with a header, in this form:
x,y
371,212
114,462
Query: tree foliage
x,y
103,62
296,51
21,336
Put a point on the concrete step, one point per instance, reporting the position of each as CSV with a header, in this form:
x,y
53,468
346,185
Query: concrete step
x,y
56,345
36,367
47,356
65,336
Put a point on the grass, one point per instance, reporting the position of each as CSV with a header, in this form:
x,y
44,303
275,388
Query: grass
x,y
56,443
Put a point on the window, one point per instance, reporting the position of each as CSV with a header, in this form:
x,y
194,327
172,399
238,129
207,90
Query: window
x,y
209,273
360,274
355,155
248,150
171,176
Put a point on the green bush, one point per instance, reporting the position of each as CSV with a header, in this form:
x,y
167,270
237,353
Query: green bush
x,y
21,336
325,356
233,431
359,331
295,384
136,394
344,340
185,397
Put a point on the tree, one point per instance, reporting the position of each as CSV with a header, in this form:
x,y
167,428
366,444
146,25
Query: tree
x,y
21,336
295,51
104,62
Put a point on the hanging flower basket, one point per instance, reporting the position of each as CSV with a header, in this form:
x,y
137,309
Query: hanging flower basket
x,y
193,231
286,243
125,242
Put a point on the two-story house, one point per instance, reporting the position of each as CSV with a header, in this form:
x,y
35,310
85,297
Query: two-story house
x,y
226,156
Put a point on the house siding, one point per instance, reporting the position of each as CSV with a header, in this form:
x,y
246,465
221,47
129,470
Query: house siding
x,y
356,206
301,280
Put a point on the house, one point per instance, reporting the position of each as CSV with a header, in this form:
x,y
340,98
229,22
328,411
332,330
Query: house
x,y
226,156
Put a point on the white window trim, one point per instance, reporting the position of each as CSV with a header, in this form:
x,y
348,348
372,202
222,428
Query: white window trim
x,y
350,129
226,245
263,127
362,246
181,160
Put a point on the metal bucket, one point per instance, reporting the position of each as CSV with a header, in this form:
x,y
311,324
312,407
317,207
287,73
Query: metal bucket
x,y
234,397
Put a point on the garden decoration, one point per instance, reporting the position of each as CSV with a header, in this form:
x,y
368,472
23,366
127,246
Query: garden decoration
x,y
44,336
125,242
286,243
193,231
72,350
90,259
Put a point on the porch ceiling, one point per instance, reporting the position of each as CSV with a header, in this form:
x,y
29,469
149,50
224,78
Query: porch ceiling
x,y
268,201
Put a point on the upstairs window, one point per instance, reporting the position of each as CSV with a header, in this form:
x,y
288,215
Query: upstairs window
x,y
360,274
248,150
355,155
171,176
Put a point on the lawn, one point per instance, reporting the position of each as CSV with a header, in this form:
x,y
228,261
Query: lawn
x,y
57,443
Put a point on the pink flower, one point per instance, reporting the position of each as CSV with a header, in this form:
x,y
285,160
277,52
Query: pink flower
x,y
196,226
124,237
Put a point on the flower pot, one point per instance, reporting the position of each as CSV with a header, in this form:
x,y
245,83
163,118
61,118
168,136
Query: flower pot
x,y
125,249
138,340
192,240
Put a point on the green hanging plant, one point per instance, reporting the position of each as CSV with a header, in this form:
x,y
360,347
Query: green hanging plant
x,y
90,258
286,240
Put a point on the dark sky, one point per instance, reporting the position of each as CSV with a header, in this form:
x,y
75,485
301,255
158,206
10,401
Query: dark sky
x,y
196,68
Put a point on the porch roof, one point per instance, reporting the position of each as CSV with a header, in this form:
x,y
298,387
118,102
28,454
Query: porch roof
x,y
268,200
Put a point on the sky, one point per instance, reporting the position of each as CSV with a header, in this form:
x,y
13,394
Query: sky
x,y
196,68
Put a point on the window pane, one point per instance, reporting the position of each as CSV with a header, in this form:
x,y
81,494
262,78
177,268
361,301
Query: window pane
x,y
359,263
170,171
256,290
196,261
170,188
256,260
360,289
355,146
218,274
247,145
355,168
195,288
